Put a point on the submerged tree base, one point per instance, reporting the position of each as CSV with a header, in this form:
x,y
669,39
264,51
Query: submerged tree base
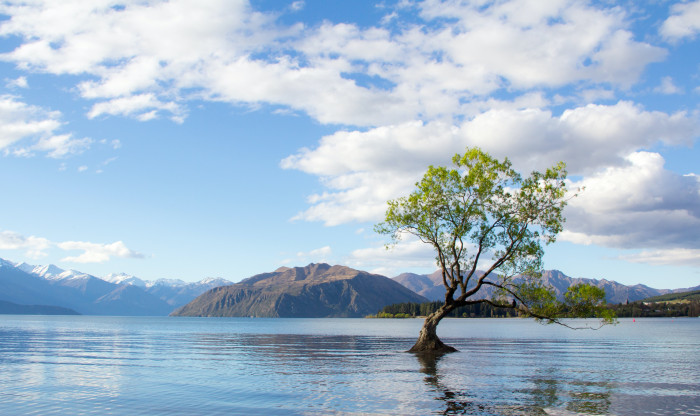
x,y
431,346
428,340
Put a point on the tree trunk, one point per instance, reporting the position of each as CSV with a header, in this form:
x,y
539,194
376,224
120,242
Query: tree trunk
x,y
428,341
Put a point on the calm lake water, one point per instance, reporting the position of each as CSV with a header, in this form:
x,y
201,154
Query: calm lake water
x,y
217,366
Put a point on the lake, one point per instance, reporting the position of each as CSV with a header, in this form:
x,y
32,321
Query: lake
x,y
87,365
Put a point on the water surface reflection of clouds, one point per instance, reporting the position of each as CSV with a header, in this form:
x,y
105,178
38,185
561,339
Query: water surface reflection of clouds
x,y
109,365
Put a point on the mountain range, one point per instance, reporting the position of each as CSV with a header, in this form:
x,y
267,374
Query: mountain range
x,y
124,295
317,290
430,286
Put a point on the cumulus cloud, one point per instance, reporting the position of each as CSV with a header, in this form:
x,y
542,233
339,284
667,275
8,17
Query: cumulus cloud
x,y
19,82
147,59
409,94
97,253
19,121
684,21
587,137
142,106
542,43
61,145
319,255
141,56
636,206
297,5
670,257
410,253
36,247
639,205
667,87
25,129
362,170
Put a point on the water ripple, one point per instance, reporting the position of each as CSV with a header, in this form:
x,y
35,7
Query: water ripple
x,y
169,366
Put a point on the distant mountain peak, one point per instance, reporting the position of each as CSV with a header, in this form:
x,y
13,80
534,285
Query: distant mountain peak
x,y
124,278
50,271
315,290
213,280
72,274
168,282
25,267
6,263
431,286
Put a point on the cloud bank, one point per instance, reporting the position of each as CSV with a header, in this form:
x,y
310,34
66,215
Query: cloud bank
x,y
36,247
536,81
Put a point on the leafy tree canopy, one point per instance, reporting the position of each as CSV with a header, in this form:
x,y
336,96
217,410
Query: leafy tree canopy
x,y
482,214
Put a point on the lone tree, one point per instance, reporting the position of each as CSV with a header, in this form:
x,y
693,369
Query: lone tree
x,y
482,214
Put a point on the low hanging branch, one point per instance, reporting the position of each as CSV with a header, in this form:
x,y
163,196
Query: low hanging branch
x,y
503,216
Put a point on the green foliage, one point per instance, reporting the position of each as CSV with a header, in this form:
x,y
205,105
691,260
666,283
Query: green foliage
x,y
412,310
583,301
544,308
482,213
689,308
540,301
485,202
389,315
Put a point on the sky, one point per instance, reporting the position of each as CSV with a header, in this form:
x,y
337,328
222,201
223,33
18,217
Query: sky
x,y
188,139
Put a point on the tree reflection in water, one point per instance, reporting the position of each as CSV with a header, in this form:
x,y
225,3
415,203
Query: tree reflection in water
x,y
456,402
361,374
549,396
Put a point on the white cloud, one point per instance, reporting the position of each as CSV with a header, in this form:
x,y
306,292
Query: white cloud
x,y
684,21
552,43
147,59
62,145
586,138
36,247
297,5
418,92
97,253
362,170
669,257
19,82
319,255
667,87
637,206
108,161
19,121
143,106
25,129
140,56
409,253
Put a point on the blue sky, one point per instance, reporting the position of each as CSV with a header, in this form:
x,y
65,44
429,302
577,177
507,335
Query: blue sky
x,y
186,140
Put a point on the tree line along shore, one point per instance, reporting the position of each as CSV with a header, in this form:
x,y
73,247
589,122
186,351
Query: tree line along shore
x,y
671,306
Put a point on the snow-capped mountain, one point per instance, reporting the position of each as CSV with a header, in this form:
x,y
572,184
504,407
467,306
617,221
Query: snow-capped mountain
x,y
123,278
174,292
431,286
27,268
47,272
114,294
177,292
168,282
